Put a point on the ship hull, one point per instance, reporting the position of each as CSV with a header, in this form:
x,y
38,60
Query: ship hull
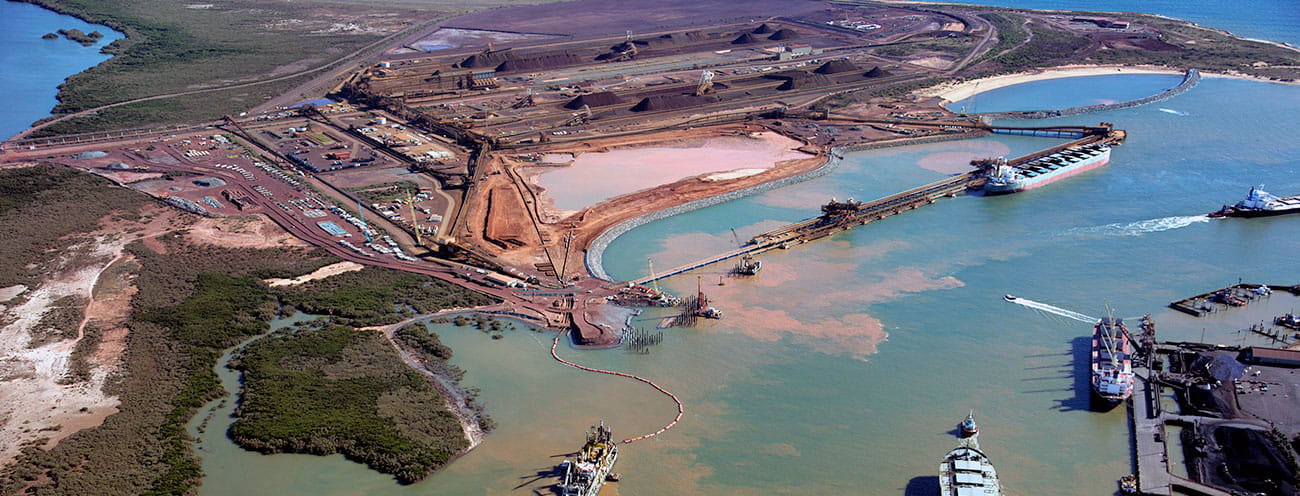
x,y
1262,213
1111,363
966,470
1088,164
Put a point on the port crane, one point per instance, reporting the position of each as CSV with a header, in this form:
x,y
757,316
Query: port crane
x,y
525,101
582,116
365,228
706,83
415,226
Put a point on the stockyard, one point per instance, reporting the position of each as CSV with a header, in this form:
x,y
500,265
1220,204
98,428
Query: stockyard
x,y
437,156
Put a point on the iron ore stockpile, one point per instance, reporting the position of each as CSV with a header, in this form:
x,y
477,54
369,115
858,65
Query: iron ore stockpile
x,y
428,162
1235,423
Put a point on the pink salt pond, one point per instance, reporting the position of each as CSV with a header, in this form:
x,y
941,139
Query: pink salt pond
x,y
595,177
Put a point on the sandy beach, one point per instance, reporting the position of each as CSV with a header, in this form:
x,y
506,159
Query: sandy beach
x,y
960,90
955,91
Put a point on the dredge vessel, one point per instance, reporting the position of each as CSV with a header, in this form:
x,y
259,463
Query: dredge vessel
x,y
1260,203
1004,178
966,471
584,475
1112,370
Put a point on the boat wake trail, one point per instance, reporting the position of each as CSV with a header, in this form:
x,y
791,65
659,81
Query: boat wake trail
x,y
1043,307
1140,227
1172,111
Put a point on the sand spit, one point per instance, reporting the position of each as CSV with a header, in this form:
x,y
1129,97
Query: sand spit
x,y
954,91
961,90
321,273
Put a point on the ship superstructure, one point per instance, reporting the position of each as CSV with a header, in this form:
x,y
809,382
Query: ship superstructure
x,y
1112,369
1260,203
585,475
1004,178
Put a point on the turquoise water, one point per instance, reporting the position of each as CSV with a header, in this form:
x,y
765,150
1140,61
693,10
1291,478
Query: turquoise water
x,y
1274,20
1047,95
34,67
845,365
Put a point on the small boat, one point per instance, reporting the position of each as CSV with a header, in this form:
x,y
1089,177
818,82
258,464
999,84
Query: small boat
x,y
968,427
1008,297
1128,484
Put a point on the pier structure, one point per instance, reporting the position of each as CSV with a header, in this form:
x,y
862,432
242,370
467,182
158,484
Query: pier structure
x,y
839,216
820,227
1202,304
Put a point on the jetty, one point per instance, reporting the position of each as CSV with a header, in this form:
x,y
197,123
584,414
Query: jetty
x,y
1212,301
842,216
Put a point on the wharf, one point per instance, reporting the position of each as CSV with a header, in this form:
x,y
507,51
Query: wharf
x,y
1149,436
820,227
850,215
1202,304
1150,443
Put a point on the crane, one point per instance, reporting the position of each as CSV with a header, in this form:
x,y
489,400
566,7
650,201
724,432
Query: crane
x,y
415,226
654,281
524,101
365,229
582,116
706,83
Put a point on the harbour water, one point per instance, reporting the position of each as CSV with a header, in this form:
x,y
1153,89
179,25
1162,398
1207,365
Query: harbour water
x,y
35,67
845,365
1273,20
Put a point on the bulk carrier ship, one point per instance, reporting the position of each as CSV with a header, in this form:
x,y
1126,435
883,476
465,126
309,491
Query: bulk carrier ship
x,y
1112,369
966,471
1004,178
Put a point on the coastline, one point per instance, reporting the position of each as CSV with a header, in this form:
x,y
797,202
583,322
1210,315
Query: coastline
x,y
954,91
38,94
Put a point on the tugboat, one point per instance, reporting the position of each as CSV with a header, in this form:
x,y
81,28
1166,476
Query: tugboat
x,y
1260,203
1128,484
968,427
585,475
748,266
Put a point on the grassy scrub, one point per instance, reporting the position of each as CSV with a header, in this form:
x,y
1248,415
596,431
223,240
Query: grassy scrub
x,y
377,296
193,301
172,47
341,390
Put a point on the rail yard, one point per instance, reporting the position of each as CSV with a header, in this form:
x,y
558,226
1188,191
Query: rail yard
x,y
428,158
438,154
